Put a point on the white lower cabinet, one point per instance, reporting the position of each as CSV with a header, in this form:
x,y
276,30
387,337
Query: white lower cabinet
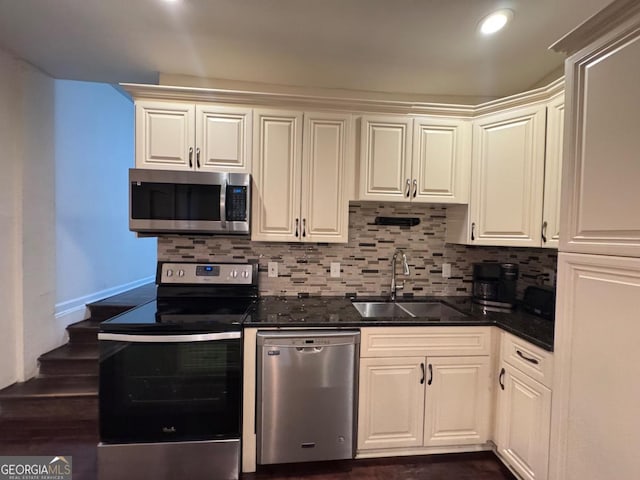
x,y
407,404
391,403
523,414
457,401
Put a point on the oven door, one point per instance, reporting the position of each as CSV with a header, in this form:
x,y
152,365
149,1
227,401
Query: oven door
x,y
169,388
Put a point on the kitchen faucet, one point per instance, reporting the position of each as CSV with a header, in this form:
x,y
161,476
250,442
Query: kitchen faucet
x,y
405,270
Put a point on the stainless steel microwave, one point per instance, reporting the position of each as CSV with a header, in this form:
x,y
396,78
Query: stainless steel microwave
x,y
165,201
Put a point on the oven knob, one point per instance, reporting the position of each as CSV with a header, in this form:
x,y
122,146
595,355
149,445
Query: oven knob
x,y
169,273
234,273
245,274
181,273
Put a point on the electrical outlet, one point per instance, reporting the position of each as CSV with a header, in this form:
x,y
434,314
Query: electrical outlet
x,y
273,269
446,270
335,269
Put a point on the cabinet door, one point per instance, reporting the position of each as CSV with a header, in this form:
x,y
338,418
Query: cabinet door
x,y
600,213
165,134
508,175
523,422
276,175
441,165
390,403
385,158
223,138
325,204
553,173
596,428
457,401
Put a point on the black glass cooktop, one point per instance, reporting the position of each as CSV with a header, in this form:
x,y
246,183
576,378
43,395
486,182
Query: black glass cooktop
x,y
192,315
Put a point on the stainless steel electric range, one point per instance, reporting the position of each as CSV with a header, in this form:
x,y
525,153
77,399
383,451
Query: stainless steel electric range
x,y
171,376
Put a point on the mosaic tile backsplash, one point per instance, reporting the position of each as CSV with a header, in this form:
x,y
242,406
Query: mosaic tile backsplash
x,y
366,259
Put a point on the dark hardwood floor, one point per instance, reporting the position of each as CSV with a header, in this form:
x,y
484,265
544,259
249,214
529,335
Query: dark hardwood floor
x,y
462,466
81,446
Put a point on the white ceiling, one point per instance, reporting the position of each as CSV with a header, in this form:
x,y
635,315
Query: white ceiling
x,y
405,46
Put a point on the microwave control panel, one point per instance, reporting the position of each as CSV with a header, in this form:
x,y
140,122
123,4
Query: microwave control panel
x,y
236,203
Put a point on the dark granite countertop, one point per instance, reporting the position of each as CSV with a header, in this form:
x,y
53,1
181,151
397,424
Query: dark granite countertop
x,y
336,312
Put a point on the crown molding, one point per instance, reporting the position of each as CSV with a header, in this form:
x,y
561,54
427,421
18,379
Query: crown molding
x,y
609,18
322,102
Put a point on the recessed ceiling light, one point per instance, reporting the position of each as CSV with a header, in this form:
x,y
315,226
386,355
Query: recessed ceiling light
x,y
495,21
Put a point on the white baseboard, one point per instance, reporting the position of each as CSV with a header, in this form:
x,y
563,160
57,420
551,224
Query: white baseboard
x,y
75,310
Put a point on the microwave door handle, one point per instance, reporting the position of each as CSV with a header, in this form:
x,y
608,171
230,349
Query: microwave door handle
x,y
197,337
223,203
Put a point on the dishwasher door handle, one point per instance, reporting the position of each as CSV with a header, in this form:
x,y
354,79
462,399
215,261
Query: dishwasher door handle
x,y
309,349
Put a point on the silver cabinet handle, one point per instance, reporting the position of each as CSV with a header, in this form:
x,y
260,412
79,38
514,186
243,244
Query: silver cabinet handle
x,y
297,222
415,188
190,157
198,157
198,337
473,231
544,232
408,192
422,379
304,227
500,378
430,375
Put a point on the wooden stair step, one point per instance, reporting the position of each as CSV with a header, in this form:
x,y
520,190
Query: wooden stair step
x,y
84,332
73,397
46,387
116,304
71,359
54,429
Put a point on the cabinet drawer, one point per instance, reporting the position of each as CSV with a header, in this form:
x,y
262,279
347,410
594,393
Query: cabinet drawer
x,y
529,359
415,341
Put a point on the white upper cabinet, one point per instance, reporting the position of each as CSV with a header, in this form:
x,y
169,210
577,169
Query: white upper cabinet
x,y
385,163
507,182
553,173
441,164
165,135
223,138
301,191
184,136
602,145
419,160
508,176
325,151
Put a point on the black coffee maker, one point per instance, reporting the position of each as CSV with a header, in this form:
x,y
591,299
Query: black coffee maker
x,y
494,284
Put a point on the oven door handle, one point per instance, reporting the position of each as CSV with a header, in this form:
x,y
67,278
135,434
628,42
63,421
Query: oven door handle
x,y
197,337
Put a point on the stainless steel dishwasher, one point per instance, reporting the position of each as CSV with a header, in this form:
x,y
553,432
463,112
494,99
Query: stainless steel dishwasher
x,y
306,391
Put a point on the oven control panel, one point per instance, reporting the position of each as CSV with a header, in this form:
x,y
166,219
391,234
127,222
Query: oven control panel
x,y
207,273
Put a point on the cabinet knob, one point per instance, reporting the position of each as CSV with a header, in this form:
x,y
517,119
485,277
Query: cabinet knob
x,y
190,157
408,192
544,232
415,188
500,378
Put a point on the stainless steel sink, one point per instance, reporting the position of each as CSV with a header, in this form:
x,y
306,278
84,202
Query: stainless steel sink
x,y
380,310
429,309
405,309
